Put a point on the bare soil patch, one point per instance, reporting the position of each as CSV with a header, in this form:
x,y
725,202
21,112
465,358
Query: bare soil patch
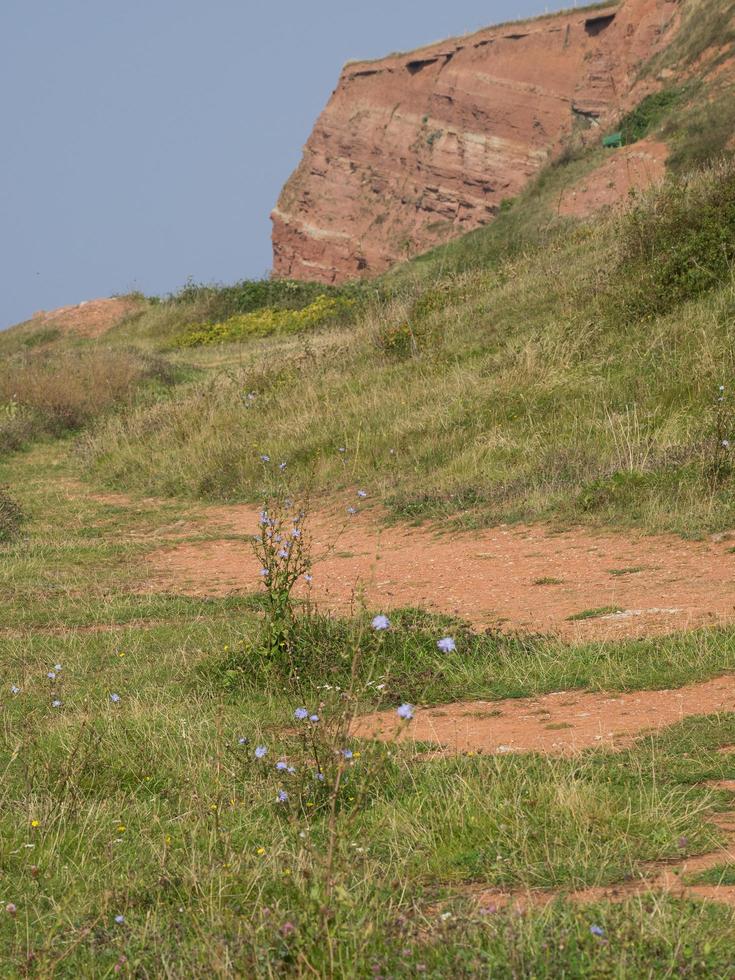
x,y
511,578
630,168
90,319
555,724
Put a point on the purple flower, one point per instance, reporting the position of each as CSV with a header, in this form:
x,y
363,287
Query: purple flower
x,y
242,741
405,712
346,753
314,718
14,689
56,704
282,796
296,534
281,766
362,494
381,623
352,511
300,713
265,458
283,553
597,931
290,770
308,578
114,698
264,572
319,776
51,675
119,919
282,466
261,751
447,644
263,518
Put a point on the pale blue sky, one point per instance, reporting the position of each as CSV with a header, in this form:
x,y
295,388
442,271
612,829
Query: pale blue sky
x,y
146,141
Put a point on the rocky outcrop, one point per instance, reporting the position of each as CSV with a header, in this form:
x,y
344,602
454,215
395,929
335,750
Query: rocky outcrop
x,y
414,149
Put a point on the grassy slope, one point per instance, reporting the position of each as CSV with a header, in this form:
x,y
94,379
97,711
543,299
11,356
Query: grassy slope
x,y
529,388
150,809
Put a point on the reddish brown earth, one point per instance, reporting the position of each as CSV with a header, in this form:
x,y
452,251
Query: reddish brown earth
x,y
633,168
415,148
90,319
555,724
515,577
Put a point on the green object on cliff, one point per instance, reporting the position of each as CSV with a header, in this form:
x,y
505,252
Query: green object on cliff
x,y
613,141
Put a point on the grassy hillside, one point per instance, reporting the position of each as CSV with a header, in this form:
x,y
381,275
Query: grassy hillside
x,y
576,378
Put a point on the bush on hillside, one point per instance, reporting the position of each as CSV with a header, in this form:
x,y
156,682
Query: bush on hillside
x,y
324,311
679,243
53,394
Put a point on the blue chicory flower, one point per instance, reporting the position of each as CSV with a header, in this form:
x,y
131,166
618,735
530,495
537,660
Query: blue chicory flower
x,y
405,712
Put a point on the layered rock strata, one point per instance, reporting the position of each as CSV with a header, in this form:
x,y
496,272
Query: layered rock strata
x,y
416,148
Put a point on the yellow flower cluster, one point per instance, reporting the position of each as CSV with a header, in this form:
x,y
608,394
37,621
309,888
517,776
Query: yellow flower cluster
x,y
263,323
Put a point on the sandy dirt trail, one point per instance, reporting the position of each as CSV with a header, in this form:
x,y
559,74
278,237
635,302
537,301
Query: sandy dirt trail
x,y
510,577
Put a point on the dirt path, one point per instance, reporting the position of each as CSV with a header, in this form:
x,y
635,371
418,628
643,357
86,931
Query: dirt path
x,y
664,877
555,724
512,577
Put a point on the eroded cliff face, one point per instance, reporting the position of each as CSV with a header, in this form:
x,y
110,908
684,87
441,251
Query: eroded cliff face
x,y
414,149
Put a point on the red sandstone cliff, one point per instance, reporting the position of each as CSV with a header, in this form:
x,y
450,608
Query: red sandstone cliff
x,y
416,148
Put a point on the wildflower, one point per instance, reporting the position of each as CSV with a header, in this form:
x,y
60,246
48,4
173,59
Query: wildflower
x,y
283,553
261,851
319,776
290,770
56,704
35,823
597,931
263,520
725,443
51,675
300,713
281,766
351,511
57,666
119,919
14,689
114,698
314,718
287,928
296,534
264,572
261,751
242,740
405,712
346,753
282,466
308,578
265,458
341,449
11,908
282,796
381,623
447,645
362,494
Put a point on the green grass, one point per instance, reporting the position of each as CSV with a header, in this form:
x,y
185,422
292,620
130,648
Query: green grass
x,y
594,613
151,809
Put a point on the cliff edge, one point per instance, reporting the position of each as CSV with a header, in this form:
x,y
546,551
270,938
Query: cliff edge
x,y
417,148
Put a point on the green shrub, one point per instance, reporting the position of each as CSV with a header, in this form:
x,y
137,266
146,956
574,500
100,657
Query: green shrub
x,y
11,516
648,114
323,311
680,243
